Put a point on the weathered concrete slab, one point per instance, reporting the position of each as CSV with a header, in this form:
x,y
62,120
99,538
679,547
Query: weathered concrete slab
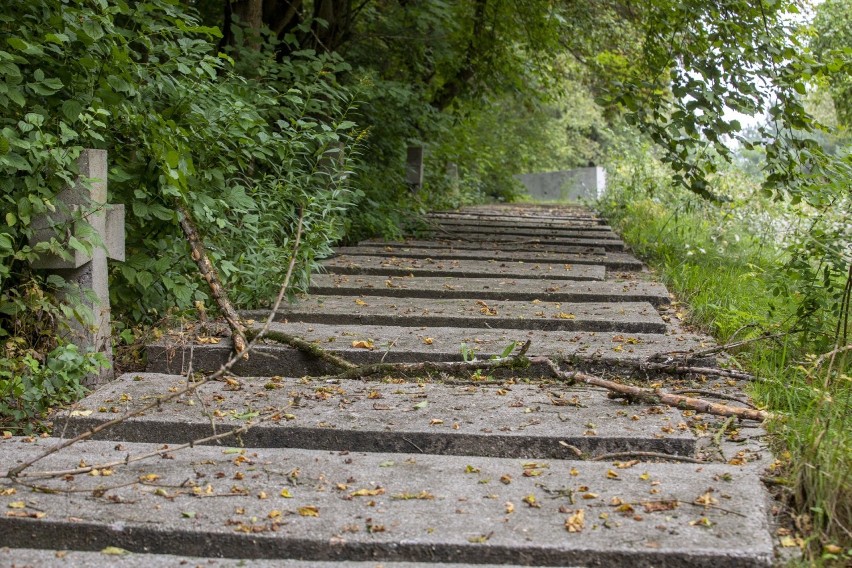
x,y
33,558
588,351
629,317
391,266
612,261
518,289
485,229
519,222
214,501
535,245
508,242
537,210
507,420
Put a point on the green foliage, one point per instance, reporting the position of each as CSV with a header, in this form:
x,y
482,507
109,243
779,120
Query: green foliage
x,y
246,155
742,269
832,43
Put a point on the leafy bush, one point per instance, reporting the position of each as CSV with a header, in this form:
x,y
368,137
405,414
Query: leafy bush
x,y
246,155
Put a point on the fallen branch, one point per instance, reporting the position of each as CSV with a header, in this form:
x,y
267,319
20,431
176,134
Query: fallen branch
x,y
688,370
302,345
639,454
211,276
226,367
653,396
718,395
364,371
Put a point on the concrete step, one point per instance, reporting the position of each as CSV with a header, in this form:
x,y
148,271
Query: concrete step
x,y
35,558
517,222
227,502
461,269
498,420
482,246
588,351
627,317
489,288
506,242
612,261
485,230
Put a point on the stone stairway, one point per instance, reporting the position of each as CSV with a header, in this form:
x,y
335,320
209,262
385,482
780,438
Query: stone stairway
x,y
510,468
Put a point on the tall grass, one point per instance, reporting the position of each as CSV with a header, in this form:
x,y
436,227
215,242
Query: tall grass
x,y
729,278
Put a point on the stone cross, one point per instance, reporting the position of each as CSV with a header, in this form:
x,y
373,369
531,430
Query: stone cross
x,y
414,167
87,272
453,177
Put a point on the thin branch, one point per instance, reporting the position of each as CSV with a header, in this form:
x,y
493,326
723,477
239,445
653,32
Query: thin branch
x,y
638,454
226,367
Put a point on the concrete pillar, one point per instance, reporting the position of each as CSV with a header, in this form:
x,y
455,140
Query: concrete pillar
x,y
414,167
87,272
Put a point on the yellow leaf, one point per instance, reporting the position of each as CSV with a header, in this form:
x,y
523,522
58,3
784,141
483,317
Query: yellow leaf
x,y
590,495
611,474
114,551
8,491
565,316
428,340
645,476
510,507
574,471
363,344
707,499
367,492
16,505
149,477
285,493
576,522
435,421
360,302
274,514
308,511
531,501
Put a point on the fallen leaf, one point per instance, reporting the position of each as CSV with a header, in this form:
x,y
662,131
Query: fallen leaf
x,y
274,514
188,514
590,495
576,522
8,491
17,505
565,316
363,344
655,506
510,507
360,302
428,340
435,422
422,496
611,474
574,471
531,501
421,405
81,412
308,511
471,469
114,551
625,465
702,522
707,499
367,492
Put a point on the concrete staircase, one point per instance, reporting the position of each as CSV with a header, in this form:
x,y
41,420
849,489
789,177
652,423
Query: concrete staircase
x,y
512,468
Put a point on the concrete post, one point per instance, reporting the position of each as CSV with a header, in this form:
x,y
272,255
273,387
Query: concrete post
x,y
414,167
87,272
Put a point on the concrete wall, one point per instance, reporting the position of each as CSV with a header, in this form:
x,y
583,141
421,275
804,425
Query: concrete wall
x,y
575,185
